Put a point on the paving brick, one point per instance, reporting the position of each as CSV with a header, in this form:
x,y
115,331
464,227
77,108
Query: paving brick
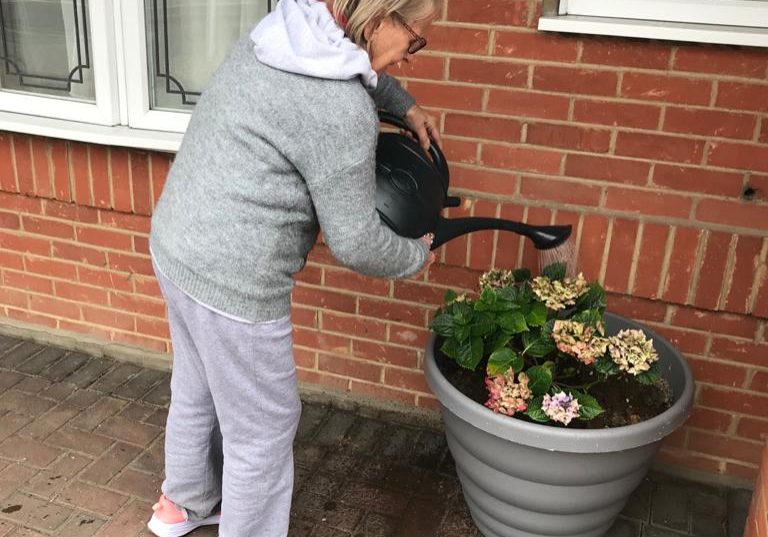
x,y
331,511
34,513
129,431
9,379
639,504
115,378
365,435
6,528
625,528
29,451
10,423
32,385
90,372
130,521
106,466
311,417
374,499
83,398
159,418
334,429
422,518
375,525
140,384
104,408
137,411
58,475
7,343
65,367
669,507
81,525
20,354
70,438
138,484
46,424
428,450
23,403
151,460
12,476
41,360
92,498
160,394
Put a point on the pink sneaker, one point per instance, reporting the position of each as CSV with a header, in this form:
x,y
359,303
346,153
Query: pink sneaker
x,y
168,520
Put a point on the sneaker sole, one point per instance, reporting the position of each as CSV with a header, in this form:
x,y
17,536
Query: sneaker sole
x,y
162,529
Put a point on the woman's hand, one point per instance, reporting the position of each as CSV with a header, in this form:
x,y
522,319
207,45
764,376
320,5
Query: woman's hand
x,y
428,238
424,125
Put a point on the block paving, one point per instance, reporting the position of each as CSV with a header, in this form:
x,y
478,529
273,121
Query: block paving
x,y
81,455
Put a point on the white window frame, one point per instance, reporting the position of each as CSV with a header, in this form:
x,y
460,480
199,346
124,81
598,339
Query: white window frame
x,y
731,22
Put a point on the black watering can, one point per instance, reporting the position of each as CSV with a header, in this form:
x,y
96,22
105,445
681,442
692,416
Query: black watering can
x,y
412,190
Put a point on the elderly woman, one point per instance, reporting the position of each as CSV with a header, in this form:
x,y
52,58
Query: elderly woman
x,y
280,146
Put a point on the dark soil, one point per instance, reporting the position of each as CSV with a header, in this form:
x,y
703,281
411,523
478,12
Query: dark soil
x,y
625,400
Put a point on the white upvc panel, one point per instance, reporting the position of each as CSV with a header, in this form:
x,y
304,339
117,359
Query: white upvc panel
x,y
697,33
140,113
105,111
751,13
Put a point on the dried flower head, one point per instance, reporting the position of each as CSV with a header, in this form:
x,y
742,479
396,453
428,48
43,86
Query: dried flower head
x,y
507,396
632,351
561,407
579,340
496,279
558,294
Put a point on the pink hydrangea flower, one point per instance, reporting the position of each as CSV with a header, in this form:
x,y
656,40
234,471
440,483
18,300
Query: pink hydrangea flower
x,y
561,407
507,396
580,341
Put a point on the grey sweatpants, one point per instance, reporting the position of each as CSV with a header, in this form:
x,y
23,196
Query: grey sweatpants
x,y
233,417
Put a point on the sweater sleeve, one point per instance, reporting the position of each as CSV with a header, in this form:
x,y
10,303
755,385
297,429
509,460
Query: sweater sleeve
x,y
352,229
391,96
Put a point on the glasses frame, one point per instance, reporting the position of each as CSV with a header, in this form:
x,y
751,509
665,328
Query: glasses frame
x,y
418,42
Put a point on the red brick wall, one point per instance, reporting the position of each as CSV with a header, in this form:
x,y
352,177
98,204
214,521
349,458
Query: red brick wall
x,y
757,521
656,152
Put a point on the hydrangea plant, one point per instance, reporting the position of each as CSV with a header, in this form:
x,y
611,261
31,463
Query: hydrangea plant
x,y
536,338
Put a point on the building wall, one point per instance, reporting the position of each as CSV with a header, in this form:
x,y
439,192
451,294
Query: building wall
x,y
656,152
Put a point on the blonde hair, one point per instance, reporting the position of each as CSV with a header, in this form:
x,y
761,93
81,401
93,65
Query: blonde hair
x,y
359,13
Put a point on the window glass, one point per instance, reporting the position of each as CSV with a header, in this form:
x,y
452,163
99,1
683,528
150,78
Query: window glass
x,y
46,48
186,41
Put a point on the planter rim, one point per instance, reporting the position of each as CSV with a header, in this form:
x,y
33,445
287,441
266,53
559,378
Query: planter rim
x,y
560,438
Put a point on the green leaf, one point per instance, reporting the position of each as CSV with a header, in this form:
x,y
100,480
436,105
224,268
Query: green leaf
x,y
592,299
652,376
589,407
509,294
483,324
503,359
442,325
449,296
470,353
606,366
555,271
537,316
500,342
537,344
521,275
487,300
512,321
540,379
534,410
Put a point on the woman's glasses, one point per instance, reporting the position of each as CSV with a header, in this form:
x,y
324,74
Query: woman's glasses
x,y
417,42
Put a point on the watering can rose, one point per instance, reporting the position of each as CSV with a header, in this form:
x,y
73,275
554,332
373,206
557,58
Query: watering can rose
x,y
542,343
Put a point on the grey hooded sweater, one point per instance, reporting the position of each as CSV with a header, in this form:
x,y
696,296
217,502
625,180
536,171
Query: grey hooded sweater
x,y
271,157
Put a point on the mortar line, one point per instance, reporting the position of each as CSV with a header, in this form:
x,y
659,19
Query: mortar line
x,y
664,275
760,277
730,267
635,257
701,250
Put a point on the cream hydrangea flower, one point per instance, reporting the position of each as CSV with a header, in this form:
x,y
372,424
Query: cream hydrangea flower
x,y
558,294
581,341
496,279
632,351
507,396
561,407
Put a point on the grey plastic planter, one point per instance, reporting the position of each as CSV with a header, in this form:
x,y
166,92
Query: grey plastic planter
x,y
521,479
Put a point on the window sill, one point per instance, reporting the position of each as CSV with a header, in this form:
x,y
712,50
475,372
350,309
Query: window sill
x,y
119,135
672,31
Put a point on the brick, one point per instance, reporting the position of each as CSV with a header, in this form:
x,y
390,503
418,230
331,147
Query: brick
x,y
50,228
324,299
698,180
36,513
659,147
764,131
97,499
623,238
444,38
666,88
130,263
594,233
109,318
650,260
535,216
607,169
739,350
28,282
40,163
12,260
421,67
159,165
621,114
714,123
140,183
392,311
137,304
718,323
9,221
742,61
102,186
406,379
521,158
712,270
569,137
718,373
579,81
733,213
32,318
103,237
724,447
354,326
60,170
7,171
20,203
536,46
567,192
744,278
80,173
482,243
500,12
449,96
710,420
351,281
648,202
104,278
681,265
461,151
484,127
740,96
753,428
71,211
639,309
528,104
125,222
362,370
686,341
32,452
23,159
484,180
739,156
488,72
635,53
50,267
385,354
12,297
318,340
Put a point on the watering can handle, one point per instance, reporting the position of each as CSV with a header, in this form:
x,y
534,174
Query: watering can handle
x,y
438,158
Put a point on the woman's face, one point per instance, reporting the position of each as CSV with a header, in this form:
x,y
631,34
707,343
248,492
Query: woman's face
x,y
390,41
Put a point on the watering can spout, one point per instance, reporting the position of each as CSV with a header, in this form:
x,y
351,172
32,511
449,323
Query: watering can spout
x,y
543,237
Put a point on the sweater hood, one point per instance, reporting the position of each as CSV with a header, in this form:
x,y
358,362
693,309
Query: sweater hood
x,y
302,37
